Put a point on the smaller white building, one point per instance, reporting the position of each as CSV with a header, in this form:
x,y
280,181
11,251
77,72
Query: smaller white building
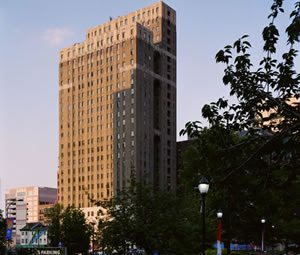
x,y
34,234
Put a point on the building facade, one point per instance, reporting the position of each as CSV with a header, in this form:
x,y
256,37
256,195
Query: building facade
x,y
117,107
275,121
22,204
42,209
34,234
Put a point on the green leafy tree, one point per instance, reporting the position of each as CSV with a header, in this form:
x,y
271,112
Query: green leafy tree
x,y
215,154
76,232
54,214
153,221
2,232
69,227
251,151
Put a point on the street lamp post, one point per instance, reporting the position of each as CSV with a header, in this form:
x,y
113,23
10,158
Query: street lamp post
x,y
219,216
93,241
263,221
203,188
273,227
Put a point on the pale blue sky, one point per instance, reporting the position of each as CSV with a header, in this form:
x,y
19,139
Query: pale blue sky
x,y
33,31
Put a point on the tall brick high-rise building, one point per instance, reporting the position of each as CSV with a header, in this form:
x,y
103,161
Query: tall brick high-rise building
x,y
117,107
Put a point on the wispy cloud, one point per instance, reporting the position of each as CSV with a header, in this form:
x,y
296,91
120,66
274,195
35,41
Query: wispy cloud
x,y
56,36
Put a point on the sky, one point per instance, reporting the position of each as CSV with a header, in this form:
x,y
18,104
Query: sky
x,y
33,31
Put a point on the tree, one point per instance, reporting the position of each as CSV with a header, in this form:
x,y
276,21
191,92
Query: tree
x,y
69,227
215,154
54,215
153,221
2,231
251,152
76,233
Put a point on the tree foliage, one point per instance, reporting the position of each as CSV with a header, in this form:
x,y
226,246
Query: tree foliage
x,y
153,221
54,215
69,227
2,231
251,150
